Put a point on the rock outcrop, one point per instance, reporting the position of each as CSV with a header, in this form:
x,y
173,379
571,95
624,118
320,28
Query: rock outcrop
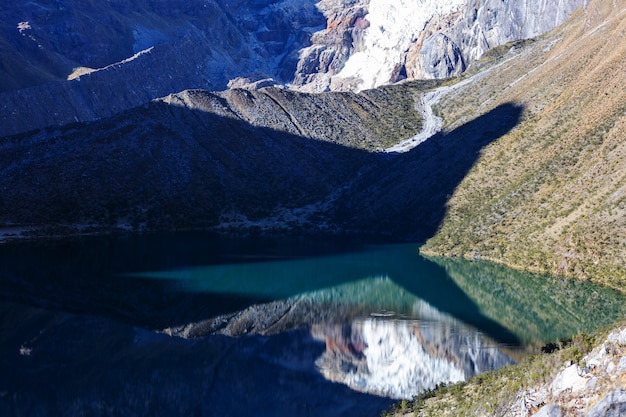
x,y
371,43
449,44
595,389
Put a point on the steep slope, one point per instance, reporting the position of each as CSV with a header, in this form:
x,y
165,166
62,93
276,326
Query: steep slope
x,y
549,195
66,60
48,40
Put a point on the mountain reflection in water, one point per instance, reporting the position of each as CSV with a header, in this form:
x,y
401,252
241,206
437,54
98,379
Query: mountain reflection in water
x,y
266,327
401,358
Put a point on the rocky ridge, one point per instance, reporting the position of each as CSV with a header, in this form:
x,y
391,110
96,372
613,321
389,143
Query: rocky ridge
x,y
199,159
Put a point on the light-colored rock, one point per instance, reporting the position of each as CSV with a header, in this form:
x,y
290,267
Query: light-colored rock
x,y
568,379
581,392
374,42
549,411
618,338
612,405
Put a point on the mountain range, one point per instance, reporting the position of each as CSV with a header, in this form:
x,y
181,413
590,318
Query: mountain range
x,y
484,129
88,59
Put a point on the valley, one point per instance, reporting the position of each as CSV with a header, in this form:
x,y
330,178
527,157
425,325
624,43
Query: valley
x,y
483,135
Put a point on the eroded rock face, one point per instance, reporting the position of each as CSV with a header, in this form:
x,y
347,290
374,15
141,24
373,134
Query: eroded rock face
x,y
369,43
331,47
452,42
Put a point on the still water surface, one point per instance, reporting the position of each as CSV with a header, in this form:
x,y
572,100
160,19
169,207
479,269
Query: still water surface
x,y
196,324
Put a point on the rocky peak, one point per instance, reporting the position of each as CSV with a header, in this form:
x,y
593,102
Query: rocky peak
x,y
376,42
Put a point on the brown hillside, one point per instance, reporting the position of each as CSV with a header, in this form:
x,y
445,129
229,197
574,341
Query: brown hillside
x,y
550,195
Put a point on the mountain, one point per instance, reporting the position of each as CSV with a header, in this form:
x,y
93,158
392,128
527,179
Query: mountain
x,y
85,60
518,159
199,159
376,42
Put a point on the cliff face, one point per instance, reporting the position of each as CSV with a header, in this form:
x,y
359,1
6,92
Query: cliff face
x,y
376,42
449,44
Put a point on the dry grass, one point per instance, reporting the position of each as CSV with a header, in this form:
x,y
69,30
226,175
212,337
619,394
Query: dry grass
x,y
549,196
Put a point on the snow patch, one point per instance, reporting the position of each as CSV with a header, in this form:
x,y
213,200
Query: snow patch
x,y
394,25
22,26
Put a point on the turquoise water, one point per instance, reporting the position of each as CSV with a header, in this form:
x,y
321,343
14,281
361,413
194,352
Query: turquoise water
x,y
509,305
331,327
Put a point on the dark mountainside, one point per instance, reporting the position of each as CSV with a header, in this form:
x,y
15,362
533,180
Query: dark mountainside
x,y
92,59
197,42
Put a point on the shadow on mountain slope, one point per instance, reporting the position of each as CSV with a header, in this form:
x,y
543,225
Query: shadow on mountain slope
x,y
165,167
405,196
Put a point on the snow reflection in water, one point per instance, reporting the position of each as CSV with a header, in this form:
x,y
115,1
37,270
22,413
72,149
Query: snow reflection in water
x,y
401,358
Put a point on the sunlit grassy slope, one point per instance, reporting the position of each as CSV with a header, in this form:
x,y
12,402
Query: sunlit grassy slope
x,y
550,195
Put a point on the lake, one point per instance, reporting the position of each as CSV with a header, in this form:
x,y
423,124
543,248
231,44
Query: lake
x,y
199,324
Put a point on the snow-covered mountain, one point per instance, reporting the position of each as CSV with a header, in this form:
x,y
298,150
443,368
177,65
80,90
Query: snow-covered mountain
x,y
368,43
